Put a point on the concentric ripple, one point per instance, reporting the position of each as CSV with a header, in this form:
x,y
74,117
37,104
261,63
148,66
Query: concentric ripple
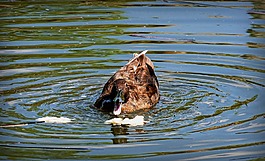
x,y
209,60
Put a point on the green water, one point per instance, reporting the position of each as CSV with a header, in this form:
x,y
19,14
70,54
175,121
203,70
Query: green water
x,y
209,60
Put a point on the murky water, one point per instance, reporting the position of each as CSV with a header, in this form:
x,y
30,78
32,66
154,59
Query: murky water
x,y
209,59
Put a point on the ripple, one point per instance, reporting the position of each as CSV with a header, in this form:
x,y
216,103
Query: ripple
x,y
210,65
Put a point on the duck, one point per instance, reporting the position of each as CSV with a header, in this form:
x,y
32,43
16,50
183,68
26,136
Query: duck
x,y
133,87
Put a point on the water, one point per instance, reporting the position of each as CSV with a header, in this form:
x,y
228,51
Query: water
x,y
209,59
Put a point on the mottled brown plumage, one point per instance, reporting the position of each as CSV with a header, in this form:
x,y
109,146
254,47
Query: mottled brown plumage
x,y
133,87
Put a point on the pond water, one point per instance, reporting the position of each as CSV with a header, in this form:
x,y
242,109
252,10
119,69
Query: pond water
x,y
209,60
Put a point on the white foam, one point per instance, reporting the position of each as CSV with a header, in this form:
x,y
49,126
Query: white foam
x,y
114,121
138,120
59,120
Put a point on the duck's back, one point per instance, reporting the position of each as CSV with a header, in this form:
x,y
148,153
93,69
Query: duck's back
x,y
138,82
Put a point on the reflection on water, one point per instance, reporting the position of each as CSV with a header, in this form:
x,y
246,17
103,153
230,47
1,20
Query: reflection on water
x,y
117,131
209,59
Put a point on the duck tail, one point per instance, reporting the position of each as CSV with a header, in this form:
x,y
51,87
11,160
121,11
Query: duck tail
x,y
141,58
136,56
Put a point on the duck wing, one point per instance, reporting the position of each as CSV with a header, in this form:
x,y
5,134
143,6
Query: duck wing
x,y
143,83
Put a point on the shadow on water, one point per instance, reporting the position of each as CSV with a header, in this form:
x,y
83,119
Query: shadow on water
x,y
208,56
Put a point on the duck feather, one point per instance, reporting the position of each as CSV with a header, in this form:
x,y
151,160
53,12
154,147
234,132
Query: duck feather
x,y
135,84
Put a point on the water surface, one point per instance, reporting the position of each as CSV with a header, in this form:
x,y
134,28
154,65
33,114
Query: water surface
x,y
209,59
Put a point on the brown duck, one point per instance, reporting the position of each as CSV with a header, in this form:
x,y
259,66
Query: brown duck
x,y
133,87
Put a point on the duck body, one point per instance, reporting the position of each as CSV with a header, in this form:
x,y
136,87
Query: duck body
x,y
133,87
